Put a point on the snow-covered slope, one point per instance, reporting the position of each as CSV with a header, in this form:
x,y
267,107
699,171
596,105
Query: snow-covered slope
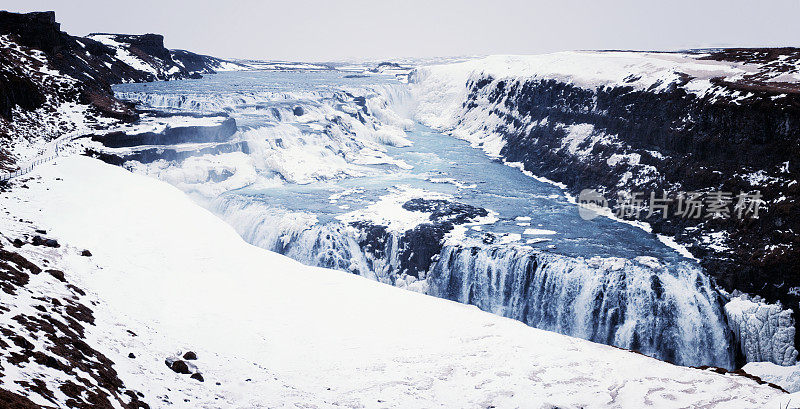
x,y
151,61
270,332
701,73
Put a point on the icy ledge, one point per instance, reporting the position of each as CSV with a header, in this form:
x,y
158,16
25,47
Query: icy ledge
x,y
765,331
268,329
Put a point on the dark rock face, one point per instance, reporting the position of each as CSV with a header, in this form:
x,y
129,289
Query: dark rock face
x,y
148,155
13,401
198,377
196,64
168,64
417,248
444,211
36,30
190,356
17,90
167,143
83,60
684,143
150,44
87,59
172,136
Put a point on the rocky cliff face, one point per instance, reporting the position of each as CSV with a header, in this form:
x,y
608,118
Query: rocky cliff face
x,y
53,82
202,64
712,121
151,61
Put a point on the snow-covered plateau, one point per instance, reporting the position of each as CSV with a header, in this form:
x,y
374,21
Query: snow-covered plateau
x,y
166,276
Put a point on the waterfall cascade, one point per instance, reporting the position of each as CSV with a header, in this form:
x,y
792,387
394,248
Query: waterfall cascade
x,y
668,312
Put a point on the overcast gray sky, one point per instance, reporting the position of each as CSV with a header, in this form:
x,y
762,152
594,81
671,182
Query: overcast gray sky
x,y
318,30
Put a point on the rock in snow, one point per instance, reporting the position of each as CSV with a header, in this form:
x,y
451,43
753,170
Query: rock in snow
x,y
306,334
40,241
178,366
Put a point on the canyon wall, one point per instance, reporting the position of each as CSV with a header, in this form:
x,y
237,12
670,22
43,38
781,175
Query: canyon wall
x,y
651,122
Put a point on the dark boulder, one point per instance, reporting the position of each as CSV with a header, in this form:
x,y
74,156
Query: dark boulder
x,y
298,111
40,241
190,356
198,377
86,253
179,367
58,274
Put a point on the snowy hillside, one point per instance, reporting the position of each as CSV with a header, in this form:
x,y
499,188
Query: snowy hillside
x,y
146,54
32,91
165,277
